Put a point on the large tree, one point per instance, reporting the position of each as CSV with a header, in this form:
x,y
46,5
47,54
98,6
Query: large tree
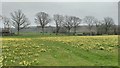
x,y
19,20
68,23
76,22
42,19
108,23
89,20
58,21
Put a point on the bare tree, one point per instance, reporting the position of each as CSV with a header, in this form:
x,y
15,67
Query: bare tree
x,y
108,23
76,23
90,20
6,22
59,21
42,19
19,20
98,25
68,23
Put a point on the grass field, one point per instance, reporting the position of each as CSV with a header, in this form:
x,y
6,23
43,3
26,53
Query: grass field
x,y
51,50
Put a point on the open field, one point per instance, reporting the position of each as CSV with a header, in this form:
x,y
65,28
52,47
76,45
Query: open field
x,y
60,50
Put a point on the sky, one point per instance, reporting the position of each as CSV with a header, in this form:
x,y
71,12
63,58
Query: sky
x,y
59,0
79,9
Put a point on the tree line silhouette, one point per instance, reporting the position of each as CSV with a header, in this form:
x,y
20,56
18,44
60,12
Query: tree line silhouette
x,y
19,21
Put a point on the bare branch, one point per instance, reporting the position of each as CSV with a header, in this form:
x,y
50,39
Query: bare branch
x,y
43,19
59,21
19,20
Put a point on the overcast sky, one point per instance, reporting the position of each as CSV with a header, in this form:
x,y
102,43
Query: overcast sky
x,y
79,9
60,0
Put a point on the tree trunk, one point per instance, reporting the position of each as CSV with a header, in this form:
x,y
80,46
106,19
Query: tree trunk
x,y
57,31
43,30
90,32
74,31
18,30
69,31
106,30
98,32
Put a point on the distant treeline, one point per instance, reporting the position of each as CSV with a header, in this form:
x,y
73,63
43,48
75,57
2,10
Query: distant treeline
x,y
70,24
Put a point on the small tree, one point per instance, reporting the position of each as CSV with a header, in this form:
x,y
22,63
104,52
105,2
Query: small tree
x,y
6,22
89,20
98,25
42,19
19,20
59,21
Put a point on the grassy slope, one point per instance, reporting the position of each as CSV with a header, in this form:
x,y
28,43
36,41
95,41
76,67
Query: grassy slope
x,y
59,51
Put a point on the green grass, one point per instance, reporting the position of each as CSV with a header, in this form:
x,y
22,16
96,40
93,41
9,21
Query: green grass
x,y
33,35
52,50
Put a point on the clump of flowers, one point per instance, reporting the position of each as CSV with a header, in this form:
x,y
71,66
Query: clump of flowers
x,y
26,63
101,48
43,50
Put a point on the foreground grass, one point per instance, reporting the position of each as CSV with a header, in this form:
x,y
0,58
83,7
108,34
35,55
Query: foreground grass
x,y
60,50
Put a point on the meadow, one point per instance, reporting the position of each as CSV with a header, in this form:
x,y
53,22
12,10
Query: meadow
x,y
52,50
